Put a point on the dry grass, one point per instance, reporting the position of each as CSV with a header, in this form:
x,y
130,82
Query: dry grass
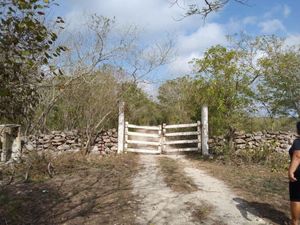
x,y
175,177
83,190
260,186
200,212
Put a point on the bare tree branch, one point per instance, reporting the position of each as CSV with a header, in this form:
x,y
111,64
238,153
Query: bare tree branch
x,y
206,8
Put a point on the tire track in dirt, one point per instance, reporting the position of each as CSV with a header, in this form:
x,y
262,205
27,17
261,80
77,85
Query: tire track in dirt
x,y
159,205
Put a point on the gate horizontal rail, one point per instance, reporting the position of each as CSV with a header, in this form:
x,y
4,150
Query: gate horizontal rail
x,y
161,135
181,150
160,139
143,127
181,142
143,142
183,139
175,126
140,134
143,139
146,151
181,134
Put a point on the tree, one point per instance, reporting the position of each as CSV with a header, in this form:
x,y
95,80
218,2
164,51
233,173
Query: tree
x,y
176,100
237,82
101,44
279,88
25,46
140,108
99,59
204,7
224,85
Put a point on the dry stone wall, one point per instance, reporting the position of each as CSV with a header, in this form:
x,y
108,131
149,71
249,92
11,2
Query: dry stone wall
x,y
107,141
279,141
71,141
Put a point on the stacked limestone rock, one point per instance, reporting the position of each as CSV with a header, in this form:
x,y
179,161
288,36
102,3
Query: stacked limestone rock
x,y
107,142
55,141
216,142
279,141
61,141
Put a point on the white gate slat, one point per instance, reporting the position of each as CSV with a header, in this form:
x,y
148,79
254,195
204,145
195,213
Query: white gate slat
x,y
143,142
181,126
181,134
143,127
126,136
135,144
147,151
181,149
139,134
182,142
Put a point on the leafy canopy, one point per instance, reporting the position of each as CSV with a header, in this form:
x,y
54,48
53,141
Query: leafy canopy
x,y
26,44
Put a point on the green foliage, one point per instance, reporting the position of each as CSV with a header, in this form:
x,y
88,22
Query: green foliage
x,y
93,98
140,109
175,97
224,85
236,83
221,82
84,103
257,123
279,88
263,155
25,45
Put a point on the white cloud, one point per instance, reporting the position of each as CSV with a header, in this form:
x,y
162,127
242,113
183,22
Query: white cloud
x,y
286,11
149,87
271,26
279,10
249,20
233,26
181,65
194,45
292,40
258,55
201,39
152,15
157,20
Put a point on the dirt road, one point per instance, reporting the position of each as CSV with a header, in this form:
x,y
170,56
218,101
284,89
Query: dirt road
x,y
159,205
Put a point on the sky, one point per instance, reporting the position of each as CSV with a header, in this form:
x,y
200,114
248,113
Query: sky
x,y
192,35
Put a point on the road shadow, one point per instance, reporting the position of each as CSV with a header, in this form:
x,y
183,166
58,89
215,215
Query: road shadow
x,y
25,203
92,194
262,210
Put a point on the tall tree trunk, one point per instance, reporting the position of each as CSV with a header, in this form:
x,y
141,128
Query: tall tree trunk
x,y
230,138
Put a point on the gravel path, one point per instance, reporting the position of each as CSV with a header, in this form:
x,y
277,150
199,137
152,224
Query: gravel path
x,y
159,205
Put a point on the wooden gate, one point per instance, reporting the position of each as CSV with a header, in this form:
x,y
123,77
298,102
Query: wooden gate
x,y
163,138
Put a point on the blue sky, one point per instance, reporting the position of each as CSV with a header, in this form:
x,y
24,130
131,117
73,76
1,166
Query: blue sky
x,y
192,36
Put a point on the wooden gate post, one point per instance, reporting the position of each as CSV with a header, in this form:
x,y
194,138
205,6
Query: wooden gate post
x,y
164,131
204,130
5,151
160,139
16,145
199,135
121,127
10,137
126,136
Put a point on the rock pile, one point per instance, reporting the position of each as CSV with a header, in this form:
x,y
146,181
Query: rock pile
x,y
106,142
61,141
279,141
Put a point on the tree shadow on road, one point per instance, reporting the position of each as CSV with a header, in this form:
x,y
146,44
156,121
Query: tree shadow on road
x,y
262,210
89,195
